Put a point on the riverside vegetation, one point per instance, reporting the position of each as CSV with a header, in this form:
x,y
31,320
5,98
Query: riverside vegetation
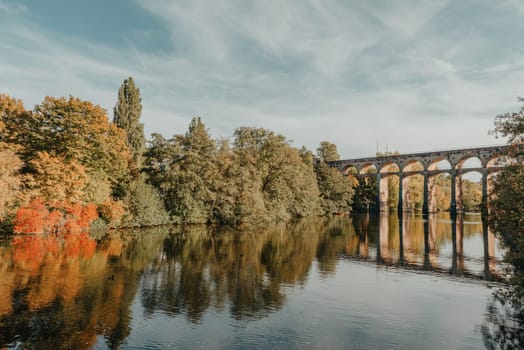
x,y
65,167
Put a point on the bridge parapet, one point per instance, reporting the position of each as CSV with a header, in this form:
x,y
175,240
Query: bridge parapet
x,y
455,157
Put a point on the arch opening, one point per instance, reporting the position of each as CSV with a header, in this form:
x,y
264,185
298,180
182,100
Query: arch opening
x,y
440,164
389,192
413,165
350,170
413,192
469,191
469,162
368,169
439,192
390,167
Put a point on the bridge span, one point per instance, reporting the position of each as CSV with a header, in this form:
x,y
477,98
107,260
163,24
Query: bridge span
x,y
427,165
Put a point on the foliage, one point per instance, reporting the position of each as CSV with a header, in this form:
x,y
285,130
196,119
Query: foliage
x,y
506,216
74,131
127,114
65,154
260,178
511,125
54,179
288,183
111,212
145,205
57,218
11,111
327,152
10,182
365,197
336,191
471,195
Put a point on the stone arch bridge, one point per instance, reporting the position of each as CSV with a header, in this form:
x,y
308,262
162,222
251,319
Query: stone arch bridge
x,y
427,165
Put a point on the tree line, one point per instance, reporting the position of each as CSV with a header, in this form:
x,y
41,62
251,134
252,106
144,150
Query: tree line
x,y
65,166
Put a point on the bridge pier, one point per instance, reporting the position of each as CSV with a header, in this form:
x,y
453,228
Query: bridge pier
x,y
379,204
484,205
459,198
453,204
400,207
425,207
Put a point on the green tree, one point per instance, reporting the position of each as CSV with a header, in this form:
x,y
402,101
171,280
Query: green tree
x,y
288,183
184,170
327,152
127,113
145,205
336,191
365,197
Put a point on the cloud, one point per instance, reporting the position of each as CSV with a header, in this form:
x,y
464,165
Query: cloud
x,y
415,77
12,7
515,5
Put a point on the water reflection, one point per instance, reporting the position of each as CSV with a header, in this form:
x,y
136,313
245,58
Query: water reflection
x,y
67,292
435,243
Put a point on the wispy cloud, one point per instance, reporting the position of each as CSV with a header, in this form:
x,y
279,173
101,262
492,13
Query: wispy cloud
x,y
413,76
12,7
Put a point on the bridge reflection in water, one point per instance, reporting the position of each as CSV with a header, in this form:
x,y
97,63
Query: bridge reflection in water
x,y
463,247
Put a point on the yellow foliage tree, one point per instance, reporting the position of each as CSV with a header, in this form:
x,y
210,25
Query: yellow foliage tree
x,y
10,182
56,180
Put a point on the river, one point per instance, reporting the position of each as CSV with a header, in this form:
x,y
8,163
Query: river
x,y
361,282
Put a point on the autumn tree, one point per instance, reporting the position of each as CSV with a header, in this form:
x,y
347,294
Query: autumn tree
x,y
56,180
76,131
12,112
127,113
506,217
10,182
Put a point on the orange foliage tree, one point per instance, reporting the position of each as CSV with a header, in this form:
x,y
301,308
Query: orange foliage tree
x,y
59,218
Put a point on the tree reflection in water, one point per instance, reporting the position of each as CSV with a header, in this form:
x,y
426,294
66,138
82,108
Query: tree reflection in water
x,y
66,292
504,324
503,327
243,270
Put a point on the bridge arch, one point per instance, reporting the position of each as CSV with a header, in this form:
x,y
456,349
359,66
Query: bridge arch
x,y
368,168
440,163
470,161
429,166
350,170
413,165
389,167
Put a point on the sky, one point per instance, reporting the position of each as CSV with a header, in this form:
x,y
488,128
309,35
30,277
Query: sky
x,y
407,75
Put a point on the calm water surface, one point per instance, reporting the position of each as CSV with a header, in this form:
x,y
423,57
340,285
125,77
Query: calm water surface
x,y
365,282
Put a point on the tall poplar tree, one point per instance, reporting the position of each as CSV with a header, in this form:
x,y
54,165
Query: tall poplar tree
x,y
127,114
